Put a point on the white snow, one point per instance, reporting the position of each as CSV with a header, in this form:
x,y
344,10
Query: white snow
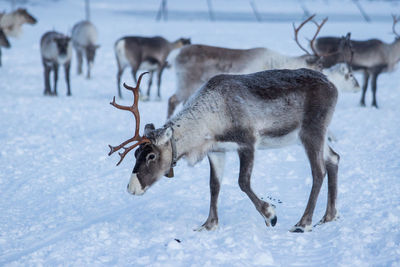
x,y
63,201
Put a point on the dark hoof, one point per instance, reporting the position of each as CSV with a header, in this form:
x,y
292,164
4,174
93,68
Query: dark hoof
x,y
298,230
274,220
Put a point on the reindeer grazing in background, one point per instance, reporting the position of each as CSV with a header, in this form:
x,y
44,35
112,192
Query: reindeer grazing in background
x,y
56,49
195,64
3,42
11,23
147,53
84,39
268,109
372,57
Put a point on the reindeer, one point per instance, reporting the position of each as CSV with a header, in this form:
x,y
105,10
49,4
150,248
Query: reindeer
x,y
195,64
372,57
3,42
84,39
148,53
267,109
56,49
11,23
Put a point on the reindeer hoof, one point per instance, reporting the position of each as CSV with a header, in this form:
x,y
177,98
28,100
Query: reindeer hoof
x,y
273,221
301,229
209,226
327,218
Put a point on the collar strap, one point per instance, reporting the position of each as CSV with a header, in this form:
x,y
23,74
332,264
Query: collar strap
x,y
170,174
173,146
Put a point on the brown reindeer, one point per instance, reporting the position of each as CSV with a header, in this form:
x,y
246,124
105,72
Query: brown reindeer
x,y
268,109
144,53
12,22
372,57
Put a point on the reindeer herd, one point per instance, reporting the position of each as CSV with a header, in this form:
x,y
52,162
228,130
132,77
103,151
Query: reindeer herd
x,y
233,100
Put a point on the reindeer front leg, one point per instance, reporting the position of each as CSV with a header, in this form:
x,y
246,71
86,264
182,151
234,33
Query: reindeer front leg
x,y
246,158
217,164
314,149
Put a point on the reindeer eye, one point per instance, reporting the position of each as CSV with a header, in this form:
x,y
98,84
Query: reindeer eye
x,y
151,156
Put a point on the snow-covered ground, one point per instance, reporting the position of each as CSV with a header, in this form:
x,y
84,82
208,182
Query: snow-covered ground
x,y
63,201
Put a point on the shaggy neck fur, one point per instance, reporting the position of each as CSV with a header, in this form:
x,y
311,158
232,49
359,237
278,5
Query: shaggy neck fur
x,y
194,131
275,60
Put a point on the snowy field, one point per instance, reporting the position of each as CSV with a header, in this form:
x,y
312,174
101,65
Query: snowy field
x,y
63,201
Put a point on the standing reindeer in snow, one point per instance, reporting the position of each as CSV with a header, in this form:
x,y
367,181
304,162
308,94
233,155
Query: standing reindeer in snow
x,y
84,39
146,53
372,57
266,109
195,64
3,42
56,49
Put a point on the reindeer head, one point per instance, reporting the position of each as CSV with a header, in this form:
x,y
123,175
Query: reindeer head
x,y
184,41
342,76
63,45
155,154
344,53
28,18
153,160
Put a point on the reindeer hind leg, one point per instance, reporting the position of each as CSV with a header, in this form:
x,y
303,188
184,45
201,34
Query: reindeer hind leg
x,y
364,88
332,166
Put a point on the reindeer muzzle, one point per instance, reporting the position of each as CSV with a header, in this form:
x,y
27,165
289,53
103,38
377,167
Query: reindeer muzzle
x,y
134,187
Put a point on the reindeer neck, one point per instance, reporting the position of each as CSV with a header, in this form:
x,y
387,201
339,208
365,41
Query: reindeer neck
x,y
394,51
275,60
175,45
191,132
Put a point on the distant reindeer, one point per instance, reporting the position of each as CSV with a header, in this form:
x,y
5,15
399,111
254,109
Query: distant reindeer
x,y
195,64
3,42
11,23
84,39
371,56
144,53
268,109
56,49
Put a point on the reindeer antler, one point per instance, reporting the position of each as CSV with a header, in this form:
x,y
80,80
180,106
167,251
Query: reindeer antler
x,y
395,20
296,32
134,109
319,26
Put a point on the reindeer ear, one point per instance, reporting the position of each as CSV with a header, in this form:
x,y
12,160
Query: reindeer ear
x,y
148,128
164,136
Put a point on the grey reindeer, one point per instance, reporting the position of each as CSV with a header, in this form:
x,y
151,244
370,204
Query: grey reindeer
x,y
267,109
144,53
56,50
196,64
372,57
3,42
84,40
